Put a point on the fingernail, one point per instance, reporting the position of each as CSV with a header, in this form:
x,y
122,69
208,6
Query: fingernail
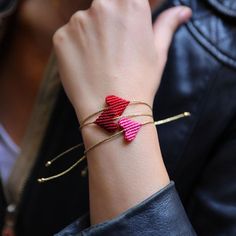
x,y
185,13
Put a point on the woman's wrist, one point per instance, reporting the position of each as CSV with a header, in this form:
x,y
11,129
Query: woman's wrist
x,y
93,104
93,107
135,171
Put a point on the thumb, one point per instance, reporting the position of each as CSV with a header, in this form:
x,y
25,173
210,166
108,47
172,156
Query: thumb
x,y
165,27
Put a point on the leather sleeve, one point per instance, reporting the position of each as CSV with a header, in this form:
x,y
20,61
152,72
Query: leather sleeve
x,y
212,208
161,214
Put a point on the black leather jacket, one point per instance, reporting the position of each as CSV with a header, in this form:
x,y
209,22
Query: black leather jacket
x,y
199,152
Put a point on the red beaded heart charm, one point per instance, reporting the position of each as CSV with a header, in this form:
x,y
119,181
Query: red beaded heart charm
x,y
116,107
106,120
117,104
130,127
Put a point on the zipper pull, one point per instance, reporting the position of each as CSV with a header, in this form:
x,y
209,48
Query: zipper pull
x,y
8,228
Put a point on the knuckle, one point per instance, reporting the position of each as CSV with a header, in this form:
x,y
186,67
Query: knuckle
x,y
77,18
59,36
162,20
100,6
78,21
169,20
139,4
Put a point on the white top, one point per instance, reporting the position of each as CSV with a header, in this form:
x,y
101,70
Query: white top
x,y
9,152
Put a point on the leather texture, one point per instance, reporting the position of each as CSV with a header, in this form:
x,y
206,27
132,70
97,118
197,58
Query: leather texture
x,y
199,152
6,7
227,7
200,77
142,219
214,29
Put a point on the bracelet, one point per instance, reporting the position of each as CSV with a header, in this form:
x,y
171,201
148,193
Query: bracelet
x,y
116,118
129,128
113,111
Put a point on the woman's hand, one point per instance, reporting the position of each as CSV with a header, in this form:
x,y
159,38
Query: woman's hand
x,y
112,48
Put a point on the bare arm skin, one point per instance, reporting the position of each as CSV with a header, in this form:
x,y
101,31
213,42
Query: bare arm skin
x,y
112,48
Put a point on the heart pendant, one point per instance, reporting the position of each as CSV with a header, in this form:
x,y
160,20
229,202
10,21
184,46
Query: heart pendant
x,y
131,128
116,107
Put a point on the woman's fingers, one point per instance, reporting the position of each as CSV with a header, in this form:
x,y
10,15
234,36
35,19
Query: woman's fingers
x,y
165,27
111,47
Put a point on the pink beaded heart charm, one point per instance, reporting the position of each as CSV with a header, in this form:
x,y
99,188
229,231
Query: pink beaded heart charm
x,y
130,127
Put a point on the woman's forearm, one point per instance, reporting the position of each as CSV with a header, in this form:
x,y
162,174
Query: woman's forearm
x,y
121,175
113,49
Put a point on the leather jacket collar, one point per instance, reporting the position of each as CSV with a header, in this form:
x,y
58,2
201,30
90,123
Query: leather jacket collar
x,y
226,7
214,27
